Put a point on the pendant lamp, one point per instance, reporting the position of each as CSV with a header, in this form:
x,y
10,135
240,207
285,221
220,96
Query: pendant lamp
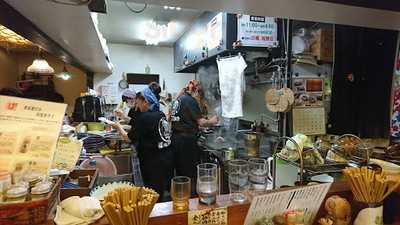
x,y
65,75
40,66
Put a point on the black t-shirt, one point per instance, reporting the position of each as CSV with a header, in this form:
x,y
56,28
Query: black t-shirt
x,y
146,130
133,114
185,113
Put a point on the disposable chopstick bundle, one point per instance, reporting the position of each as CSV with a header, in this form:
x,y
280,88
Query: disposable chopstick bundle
x,y
129,206
370,186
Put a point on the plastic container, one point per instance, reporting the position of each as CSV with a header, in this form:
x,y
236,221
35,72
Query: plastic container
x,y
95,126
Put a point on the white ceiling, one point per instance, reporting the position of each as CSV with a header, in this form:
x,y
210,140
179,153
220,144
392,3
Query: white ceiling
x,y
310,10
120,25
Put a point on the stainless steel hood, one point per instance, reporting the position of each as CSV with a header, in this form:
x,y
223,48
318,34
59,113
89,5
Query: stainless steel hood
x,y
71,27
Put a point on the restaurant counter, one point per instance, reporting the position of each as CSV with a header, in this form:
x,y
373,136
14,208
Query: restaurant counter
x,y
163,214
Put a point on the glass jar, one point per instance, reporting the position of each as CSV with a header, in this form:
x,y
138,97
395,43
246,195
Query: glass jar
x,y
16,194
40,190
5,181
32,178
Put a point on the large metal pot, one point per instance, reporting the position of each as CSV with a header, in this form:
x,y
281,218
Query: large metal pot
x,y
252,143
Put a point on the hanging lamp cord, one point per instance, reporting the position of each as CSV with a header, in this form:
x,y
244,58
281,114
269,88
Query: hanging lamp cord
x,y
134,10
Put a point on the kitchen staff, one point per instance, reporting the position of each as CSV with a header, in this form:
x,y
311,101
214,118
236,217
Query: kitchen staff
x,y
186,119
153,138
128,103
152,93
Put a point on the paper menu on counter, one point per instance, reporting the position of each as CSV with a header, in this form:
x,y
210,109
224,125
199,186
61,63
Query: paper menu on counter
x,y
29,131
67,153
307,198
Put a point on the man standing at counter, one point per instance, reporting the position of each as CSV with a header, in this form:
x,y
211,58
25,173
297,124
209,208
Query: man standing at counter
x,y
186,120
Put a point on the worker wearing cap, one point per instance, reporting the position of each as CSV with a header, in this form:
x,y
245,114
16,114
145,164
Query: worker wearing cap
x,y
186,119
124,109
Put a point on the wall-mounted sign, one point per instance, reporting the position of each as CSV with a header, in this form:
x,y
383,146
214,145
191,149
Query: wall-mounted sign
x,y
214,32
257,31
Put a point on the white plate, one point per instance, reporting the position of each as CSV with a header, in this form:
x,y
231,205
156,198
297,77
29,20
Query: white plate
x,y
323,178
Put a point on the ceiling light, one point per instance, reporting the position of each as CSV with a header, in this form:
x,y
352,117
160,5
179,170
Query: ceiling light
x,y
40,66
178,8
171,7
165,7
154,32
65,75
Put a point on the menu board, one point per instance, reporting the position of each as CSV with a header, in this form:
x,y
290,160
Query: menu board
x,y
308,92
67,153
308,199
257,31
29,130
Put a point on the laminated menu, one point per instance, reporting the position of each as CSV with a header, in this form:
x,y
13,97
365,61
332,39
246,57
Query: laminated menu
x,y
29,131
67,153
299,205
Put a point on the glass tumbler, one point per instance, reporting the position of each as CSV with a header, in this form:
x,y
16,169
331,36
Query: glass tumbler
x,y
258,174
207,183
180,193
238,179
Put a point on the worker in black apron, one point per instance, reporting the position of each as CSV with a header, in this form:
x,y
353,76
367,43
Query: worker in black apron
x,y
153,138
186,119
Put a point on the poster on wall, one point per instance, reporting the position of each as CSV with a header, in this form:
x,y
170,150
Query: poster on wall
x,y
308,92
29,131
214,32
257,31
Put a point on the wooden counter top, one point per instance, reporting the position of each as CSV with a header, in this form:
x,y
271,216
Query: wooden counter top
x,y
163,214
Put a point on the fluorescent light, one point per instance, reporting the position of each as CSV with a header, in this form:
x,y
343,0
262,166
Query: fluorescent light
x,y
40,66
171,7
165,7
178,8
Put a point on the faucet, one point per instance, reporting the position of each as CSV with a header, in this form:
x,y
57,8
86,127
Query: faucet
x,y
300,152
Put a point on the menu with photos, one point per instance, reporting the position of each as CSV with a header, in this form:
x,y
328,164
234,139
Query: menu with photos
x,y
29,131
307,198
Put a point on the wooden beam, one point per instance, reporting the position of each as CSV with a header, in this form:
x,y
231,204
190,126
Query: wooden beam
x,y
12,19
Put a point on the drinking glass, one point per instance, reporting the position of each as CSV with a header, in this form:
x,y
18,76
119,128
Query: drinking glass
x,y
180,193
238,179
258,174
207,183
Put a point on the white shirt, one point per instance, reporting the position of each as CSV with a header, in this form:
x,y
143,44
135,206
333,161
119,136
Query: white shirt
x,y
231,82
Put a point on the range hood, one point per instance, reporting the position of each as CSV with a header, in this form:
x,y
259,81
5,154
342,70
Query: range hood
x,y
72,27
